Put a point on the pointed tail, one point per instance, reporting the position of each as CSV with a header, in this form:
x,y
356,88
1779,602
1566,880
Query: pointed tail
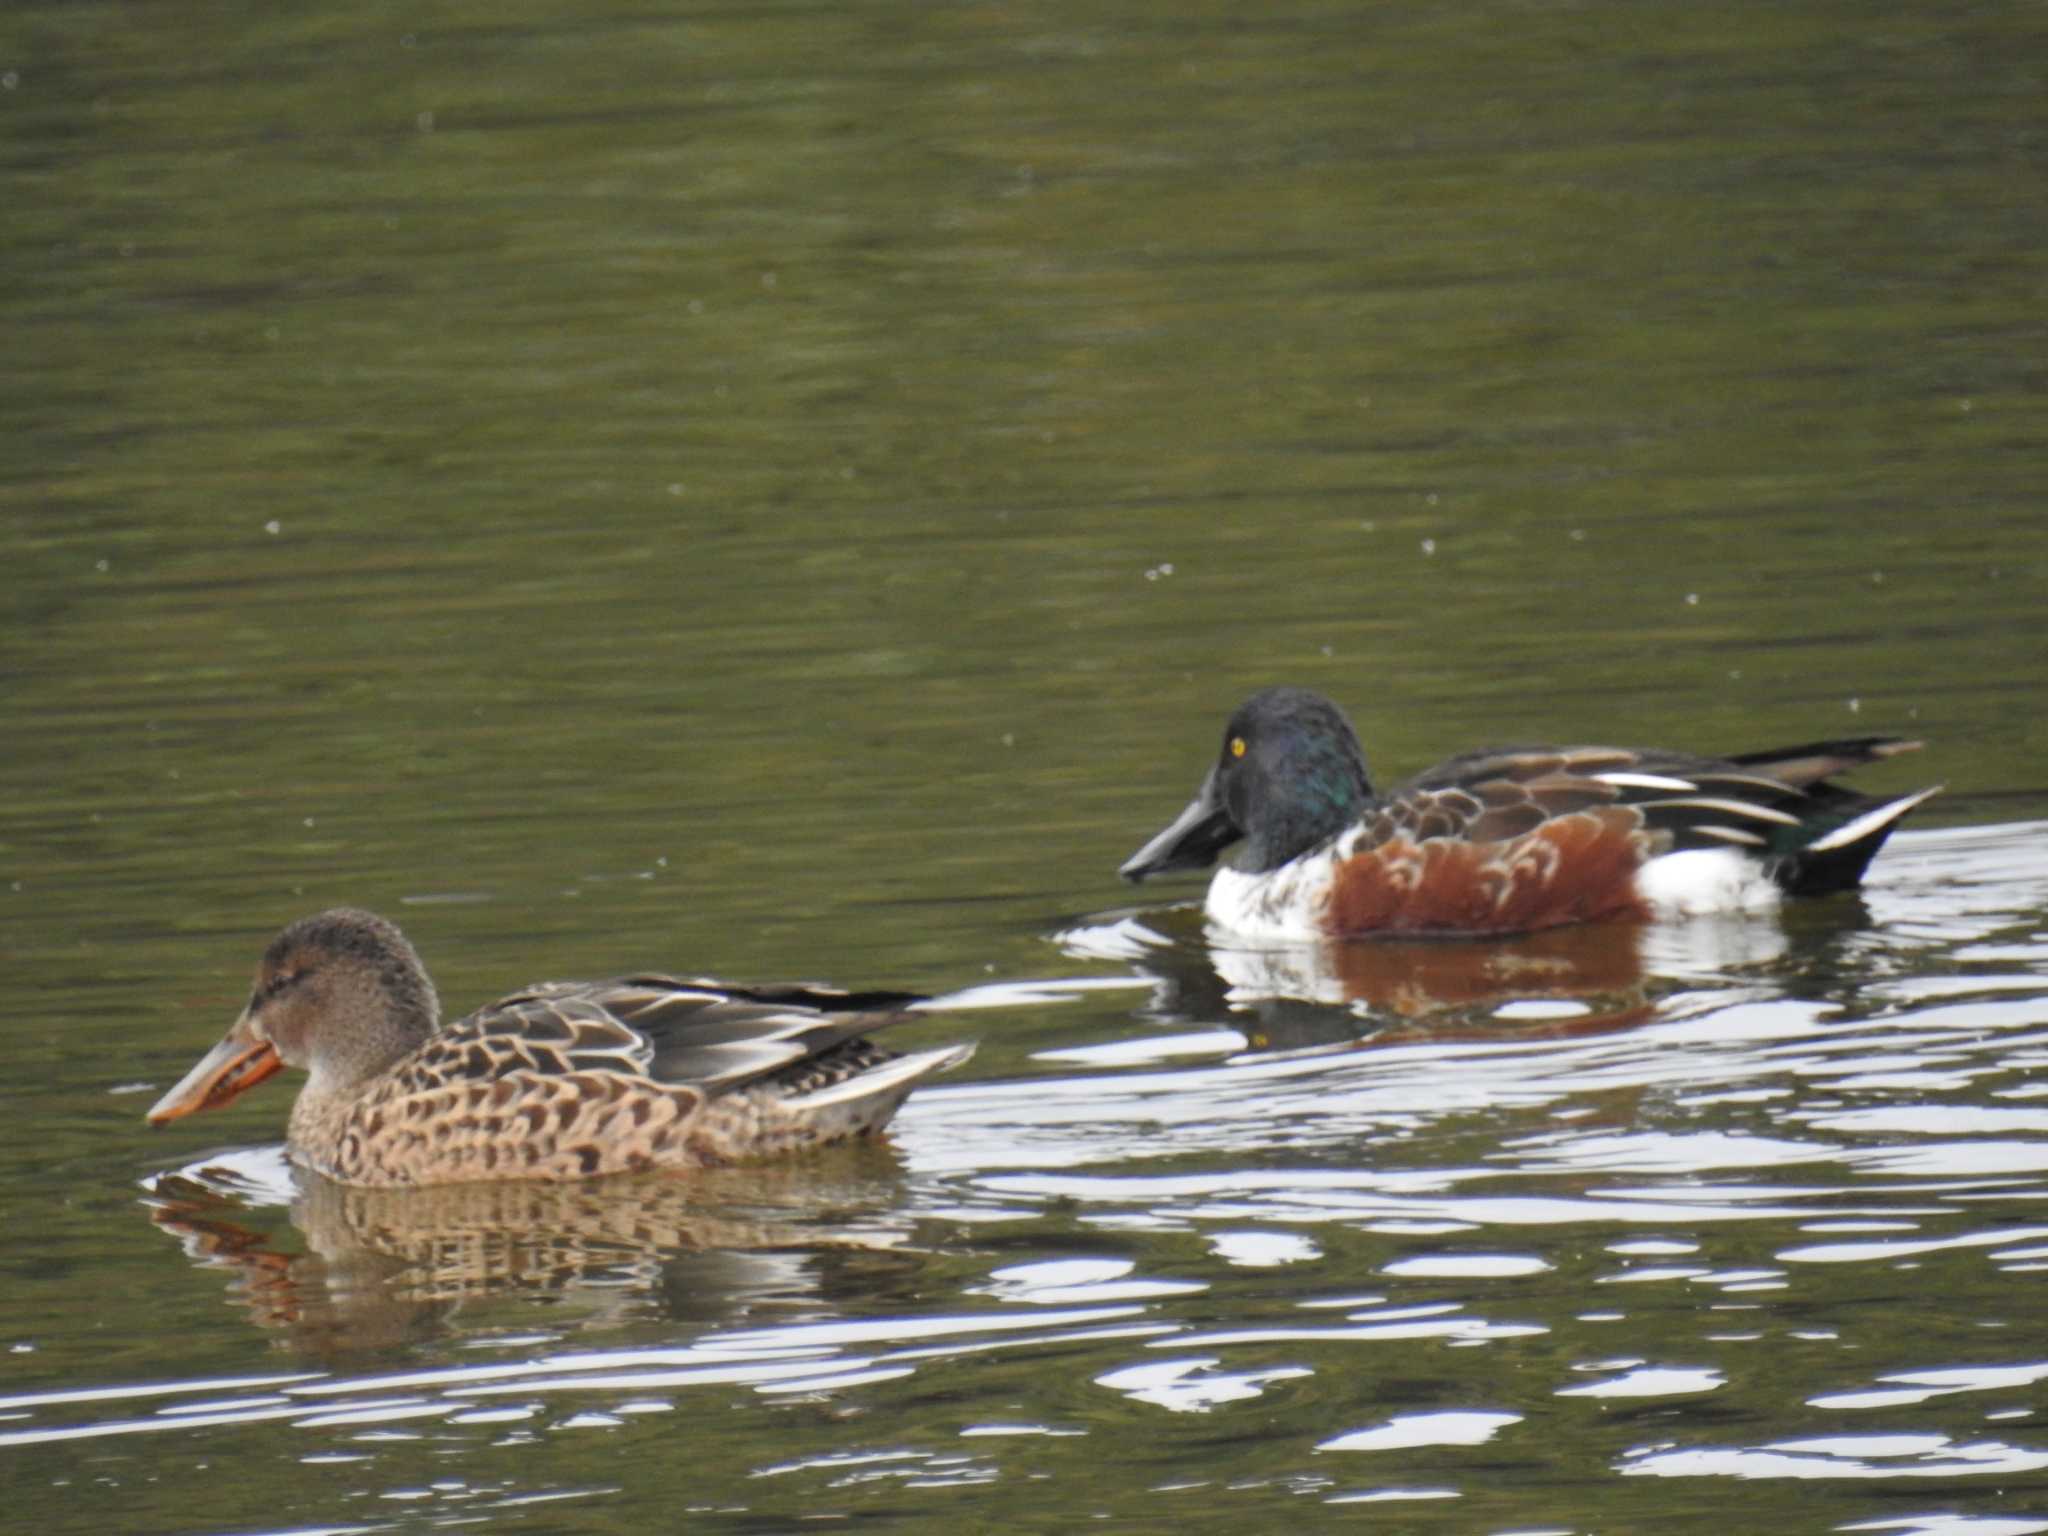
x,y
1848,839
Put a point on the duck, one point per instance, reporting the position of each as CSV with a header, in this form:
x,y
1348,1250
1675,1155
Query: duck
x,y
561,1080
1507,840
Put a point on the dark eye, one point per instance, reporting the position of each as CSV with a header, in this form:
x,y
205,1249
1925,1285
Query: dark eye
x,y
277,984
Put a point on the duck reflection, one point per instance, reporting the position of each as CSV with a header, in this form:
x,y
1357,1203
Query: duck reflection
x,y
1581,980
341,1268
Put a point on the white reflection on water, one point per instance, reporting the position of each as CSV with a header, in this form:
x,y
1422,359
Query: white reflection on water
x,y
1262,1250
1843,1456
1919,1386
804,1358
1065,1281
1952,1525
1470,1265
1650,1381
1192,1385
1414,1429
1860,1253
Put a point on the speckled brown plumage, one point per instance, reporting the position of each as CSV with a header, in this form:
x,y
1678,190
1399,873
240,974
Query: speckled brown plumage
x,y
563,1080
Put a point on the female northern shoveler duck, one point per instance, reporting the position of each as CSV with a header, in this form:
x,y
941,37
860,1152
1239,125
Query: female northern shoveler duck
x,y
1510,839
559,1081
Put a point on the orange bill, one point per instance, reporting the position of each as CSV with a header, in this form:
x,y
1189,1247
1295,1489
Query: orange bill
x,y
224,1074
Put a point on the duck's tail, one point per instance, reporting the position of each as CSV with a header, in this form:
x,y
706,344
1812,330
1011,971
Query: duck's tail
x,y
866,1101
1831,848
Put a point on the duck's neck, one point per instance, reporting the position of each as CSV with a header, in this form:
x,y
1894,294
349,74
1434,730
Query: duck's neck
x,y
339,1080
319,1122
1326,791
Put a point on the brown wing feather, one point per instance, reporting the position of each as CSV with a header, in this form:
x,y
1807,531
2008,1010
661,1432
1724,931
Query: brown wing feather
x,y
658,1030
1573,868
1490,797
1505,794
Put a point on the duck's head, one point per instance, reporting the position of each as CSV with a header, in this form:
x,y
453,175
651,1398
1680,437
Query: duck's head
x,y
340,995
1290,774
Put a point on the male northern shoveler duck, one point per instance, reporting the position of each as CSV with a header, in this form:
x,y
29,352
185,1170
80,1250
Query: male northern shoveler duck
x,y
1509,840
562,1080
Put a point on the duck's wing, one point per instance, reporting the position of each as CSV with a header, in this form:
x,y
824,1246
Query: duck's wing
x,y
699,1034
1813,761
1773,800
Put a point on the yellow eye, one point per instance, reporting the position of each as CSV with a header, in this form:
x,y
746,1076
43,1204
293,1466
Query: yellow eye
x,y
1237,746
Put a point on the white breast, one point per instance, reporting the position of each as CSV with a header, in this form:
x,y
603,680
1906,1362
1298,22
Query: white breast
x,y
1284,906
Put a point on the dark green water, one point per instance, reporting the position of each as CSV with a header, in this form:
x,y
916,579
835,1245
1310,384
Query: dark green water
x,y
794,491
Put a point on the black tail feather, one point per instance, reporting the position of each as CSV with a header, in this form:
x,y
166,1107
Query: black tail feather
x,y
1837,846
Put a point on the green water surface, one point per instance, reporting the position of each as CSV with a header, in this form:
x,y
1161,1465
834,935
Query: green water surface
x,y
794,490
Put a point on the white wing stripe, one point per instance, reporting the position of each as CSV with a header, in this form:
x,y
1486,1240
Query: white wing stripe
x,y
1732,807
1734,835
1644,781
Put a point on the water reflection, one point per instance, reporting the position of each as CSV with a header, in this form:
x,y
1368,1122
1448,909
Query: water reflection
x,y
334,1268
1286,997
